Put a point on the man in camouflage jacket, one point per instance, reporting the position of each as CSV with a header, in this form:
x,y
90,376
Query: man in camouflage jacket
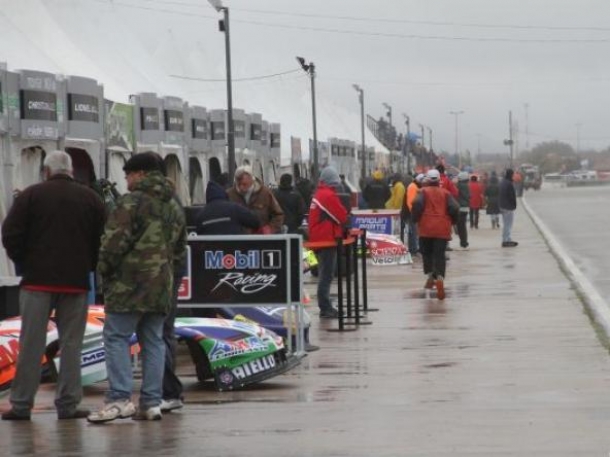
x,y
143,244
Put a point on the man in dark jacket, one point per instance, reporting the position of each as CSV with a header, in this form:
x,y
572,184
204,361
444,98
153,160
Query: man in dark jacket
x,y
221,217
376,192
53,232
292,203
508,204
144,243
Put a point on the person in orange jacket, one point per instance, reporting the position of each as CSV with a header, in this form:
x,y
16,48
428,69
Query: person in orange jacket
x,y
412,191
477,201
436,211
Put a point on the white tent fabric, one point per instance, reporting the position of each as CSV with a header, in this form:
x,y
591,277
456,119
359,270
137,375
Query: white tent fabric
x,y
116,162
135,47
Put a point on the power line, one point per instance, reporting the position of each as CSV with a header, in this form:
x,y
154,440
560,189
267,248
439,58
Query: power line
x,y
434,23
393,21
251,78
365,33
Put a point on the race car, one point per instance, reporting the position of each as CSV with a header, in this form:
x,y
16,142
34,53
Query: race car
x,y
230,353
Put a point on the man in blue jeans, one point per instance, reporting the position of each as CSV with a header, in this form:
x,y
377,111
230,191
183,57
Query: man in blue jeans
x,y
508,204
144,244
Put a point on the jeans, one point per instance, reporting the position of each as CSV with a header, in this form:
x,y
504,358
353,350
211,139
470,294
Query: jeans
x,y
413,238
462,230
327,263
433,256
172,387
508,216
474,218
71,319
118,329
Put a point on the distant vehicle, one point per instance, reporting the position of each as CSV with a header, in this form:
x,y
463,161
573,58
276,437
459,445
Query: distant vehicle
x,y
583,174
532,179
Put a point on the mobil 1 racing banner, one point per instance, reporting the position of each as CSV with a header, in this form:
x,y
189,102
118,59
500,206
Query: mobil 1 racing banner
x,y
242,270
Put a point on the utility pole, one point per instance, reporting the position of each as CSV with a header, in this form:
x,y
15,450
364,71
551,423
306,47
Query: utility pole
x,y
423,137
408,142
364,153
457,150
430,135
311,70
527,131
510,136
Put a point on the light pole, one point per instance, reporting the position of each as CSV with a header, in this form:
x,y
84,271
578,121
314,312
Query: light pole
x,y
423,137
223,26
430,136
310,69
457,151
510,140
408,141
361,99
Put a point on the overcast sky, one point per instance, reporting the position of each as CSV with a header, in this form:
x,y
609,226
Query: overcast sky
x,y
424,58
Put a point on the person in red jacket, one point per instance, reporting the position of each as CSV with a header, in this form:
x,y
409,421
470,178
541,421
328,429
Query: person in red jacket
x,y
436,211
327,219
445,181
477,200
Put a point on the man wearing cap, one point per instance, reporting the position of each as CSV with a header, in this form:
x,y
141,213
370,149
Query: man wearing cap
x,y
143,244
327,218
412,191
53,232
250,193
435,210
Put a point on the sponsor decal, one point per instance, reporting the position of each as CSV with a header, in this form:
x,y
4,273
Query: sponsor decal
x,y
38,105
218,130
199,129
9,352
92,357
39,131
243,260
246,283
254,367
226,378
174,121
149,118
224,349
255,132
378,224
240,129
83,108
274,140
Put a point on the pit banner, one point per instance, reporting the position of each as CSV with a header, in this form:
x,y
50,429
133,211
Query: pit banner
x,y
242,270
386,221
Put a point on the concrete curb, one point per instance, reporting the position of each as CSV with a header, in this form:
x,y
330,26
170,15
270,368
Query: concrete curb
x,y
593,300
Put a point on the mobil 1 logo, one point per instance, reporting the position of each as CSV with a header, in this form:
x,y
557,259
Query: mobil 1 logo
x,y
244,271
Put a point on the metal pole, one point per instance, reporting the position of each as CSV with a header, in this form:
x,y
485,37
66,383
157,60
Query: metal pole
x,y
408,144
430,133
364,153
315,171
230,124
510,136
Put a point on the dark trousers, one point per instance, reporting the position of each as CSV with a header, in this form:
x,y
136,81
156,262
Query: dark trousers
x,y
474,218
433,255
462,230
172,387
413,238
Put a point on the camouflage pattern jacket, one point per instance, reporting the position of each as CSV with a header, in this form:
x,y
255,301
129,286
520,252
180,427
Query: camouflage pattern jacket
x,y
144,242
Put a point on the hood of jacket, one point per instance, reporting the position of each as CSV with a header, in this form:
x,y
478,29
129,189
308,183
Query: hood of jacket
x,y
214,191
155,184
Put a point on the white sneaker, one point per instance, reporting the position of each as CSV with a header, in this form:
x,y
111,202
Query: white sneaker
x,y
171,404
150,414
120,409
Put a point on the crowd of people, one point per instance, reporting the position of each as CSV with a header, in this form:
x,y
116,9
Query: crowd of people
x,y
59,231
